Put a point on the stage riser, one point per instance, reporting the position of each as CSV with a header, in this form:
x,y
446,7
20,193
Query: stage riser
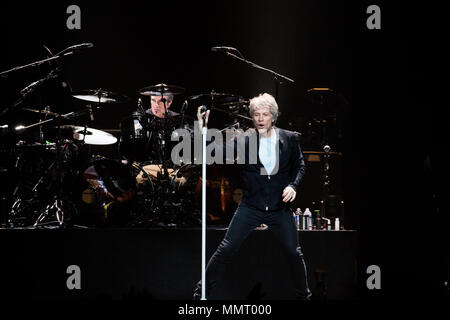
x,y
165,264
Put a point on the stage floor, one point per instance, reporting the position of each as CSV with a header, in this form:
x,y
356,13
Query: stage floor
x,y
165,264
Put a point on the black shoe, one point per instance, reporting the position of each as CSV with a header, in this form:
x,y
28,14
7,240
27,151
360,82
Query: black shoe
x,y
307,297
197,295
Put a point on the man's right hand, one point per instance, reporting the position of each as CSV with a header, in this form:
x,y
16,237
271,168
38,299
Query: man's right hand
x,y
200,115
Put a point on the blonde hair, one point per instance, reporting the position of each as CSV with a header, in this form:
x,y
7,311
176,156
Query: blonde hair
x,y
264,100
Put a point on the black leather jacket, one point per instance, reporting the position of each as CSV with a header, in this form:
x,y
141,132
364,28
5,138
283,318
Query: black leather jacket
x,y
260,190
264,192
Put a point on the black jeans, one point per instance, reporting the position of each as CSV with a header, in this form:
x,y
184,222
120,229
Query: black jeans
x,y
245,220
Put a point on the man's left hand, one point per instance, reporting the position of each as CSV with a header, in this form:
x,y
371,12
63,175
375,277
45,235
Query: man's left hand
x,y
289,194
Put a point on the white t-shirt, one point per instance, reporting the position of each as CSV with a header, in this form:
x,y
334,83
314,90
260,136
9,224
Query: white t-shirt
x,y
267,151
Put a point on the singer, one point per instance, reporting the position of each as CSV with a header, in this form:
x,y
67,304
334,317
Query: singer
x,y
269,186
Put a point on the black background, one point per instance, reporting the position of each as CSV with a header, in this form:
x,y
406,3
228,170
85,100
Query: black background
x,y
389,134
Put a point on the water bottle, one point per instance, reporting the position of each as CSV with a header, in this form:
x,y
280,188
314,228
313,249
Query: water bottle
x,y
337,224
317,220
298,214
308,218
295,216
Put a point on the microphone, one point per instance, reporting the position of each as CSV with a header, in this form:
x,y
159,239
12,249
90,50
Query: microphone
x,y
222,49
77,47
202,110
32,85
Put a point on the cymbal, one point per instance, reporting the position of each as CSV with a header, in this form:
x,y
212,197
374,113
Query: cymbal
x,y
214,95
235,103
321,152
232,114
93,136
324,96
161,89
99,96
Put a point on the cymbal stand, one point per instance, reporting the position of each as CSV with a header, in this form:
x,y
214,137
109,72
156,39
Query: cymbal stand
x,y
156,128
166,199
146,209
323,121
326,181
57,205
163,138
89,110
20,205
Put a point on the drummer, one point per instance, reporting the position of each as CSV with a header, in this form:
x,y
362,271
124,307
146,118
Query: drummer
x,y
158,110
157,106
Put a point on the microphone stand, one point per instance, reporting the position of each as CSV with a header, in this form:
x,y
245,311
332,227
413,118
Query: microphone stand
x,y
28,90
204,133
276,76
326,181
33,64
66,52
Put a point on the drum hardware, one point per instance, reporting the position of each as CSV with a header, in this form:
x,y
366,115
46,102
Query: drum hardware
x,y
276,76
324,125
56,207
161,89
46,111
162,126
54,73
145,138
233,106
20,205
218,97
66,52
91,136
214,99
45,197
157,130
169,197
109,195
144,214
25,92
100,96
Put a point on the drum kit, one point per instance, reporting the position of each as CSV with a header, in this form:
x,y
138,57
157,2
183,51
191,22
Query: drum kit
x,y
58,182
55,180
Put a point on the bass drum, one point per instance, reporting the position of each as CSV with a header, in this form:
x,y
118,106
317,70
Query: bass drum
x,y
134,137
107,192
